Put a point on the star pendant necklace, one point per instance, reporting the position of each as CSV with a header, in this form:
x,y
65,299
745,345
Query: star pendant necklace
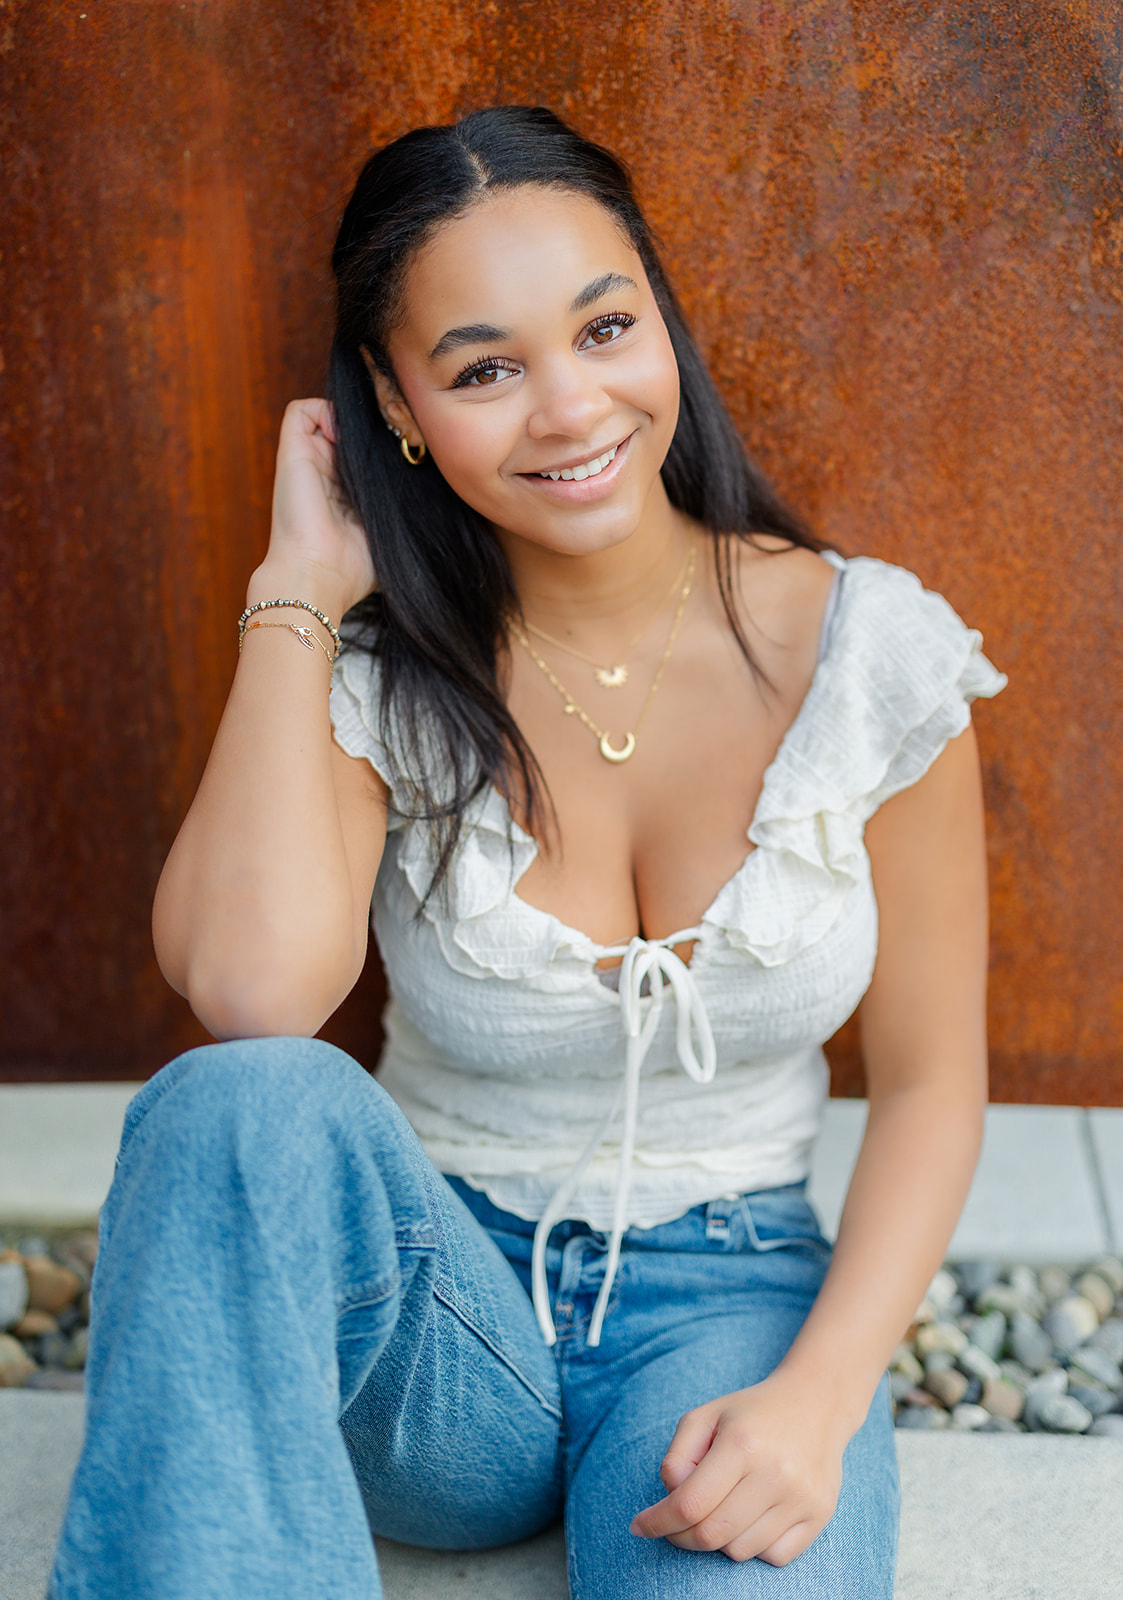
x,y
603,737
613,677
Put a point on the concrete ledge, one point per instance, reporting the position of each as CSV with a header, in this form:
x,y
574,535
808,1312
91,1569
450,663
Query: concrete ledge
x,y
985,1517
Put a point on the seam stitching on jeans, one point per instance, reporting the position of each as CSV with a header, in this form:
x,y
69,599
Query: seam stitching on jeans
x,y
498,1352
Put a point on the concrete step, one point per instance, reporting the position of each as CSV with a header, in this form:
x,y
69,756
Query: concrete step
x,y
985,1517
1049,1186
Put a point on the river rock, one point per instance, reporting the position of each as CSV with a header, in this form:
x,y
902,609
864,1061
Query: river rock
x,y
969,1419
938,1361
33,1324
1098,1291
16,1366
1109,1427
1023,1281
1098,1401
923,1417
975,1276
1108,1337
942,1291
1054,1283
75,1358
1043,1389
949,1387
905,1361
921,1397
50,1287
976,1363
1095,1365
1000,1425
944,1336
1004,1399
900,1384
1005,1298
1110,1268
1029,1345
1070,1322
988,1333
1061,1413
53,1350
13,1292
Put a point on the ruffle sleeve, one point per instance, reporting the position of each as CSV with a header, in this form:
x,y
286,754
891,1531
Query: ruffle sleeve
x,y
895,684
355,711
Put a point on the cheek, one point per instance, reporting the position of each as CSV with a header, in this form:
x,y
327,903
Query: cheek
x,y
656,380
468,446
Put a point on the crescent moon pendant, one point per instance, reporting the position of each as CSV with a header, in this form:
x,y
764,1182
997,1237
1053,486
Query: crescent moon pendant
x,y
610,754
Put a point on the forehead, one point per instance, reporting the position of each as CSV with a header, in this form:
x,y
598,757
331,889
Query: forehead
x,y
515,253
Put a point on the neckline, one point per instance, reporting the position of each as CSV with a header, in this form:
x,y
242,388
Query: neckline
x,y
830,620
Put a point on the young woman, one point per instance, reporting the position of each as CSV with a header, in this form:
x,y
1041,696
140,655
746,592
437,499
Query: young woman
x,y
649,790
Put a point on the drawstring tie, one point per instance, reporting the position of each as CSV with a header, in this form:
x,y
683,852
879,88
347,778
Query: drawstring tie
x,y
654,962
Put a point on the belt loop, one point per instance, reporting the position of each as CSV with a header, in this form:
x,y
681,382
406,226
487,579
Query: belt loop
x,y
718,1215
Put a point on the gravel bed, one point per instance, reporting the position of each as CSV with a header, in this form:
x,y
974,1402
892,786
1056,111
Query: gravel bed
x,y
997,1349
1015,1350
45,1308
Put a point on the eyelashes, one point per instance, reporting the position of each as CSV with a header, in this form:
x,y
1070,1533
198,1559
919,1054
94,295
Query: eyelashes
x,y
475,369
483,373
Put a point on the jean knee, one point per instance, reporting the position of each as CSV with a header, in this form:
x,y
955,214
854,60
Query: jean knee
x,y
280,1080
257,1114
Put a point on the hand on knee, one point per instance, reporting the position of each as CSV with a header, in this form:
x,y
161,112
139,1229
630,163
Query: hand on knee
x,y
756,1473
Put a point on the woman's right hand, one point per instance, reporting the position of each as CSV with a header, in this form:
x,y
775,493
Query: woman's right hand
x,y
316,538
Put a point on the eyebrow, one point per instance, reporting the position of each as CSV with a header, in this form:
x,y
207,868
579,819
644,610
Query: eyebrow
x,y
487,333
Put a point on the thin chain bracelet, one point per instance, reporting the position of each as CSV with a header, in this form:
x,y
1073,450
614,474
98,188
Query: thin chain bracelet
x,y
308,639
302,605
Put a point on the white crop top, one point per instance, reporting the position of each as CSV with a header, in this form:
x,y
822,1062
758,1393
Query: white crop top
x,y
560,1096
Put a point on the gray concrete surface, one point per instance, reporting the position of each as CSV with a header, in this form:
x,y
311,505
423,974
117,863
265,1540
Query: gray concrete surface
x,y
1049,1185
985,1517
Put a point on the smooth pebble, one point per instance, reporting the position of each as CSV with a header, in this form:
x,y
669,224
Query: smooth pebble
x,y
13,1292
1070,1322
1063,1414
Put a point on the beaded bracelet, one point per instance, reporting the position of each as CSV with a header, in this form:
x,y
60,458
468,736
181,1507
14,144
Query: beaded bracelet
x,y
269,605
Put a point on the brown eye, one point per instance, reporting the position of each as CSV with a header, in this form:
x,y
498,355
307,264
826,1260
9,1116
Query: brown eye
x,y
482,374
607,329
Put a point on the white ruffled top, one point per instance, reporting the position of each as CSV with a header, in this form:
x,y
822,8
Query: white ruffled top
x,y
560,1096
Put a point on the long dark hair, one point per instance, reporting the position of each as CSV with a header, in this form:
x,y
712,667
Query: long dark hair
x,y
436,623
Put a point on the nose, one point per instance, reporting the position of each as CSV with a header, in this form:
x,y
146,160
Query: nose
x,y
569,401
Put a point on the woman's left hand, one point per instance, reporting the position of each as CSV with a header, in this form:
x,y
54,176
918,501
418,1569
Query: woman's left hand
x,y
756,1473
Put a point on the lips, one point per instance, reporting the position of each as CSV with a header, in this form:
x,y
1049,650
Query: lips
x,y
584,479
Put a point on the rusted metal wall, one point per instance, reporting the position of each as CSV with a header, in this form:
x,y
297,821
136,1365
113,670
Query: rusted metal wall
x,y
898,229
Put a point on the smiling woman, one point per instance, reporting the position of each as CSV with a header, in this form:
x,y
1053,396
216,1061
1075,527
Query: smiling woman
x,y
647,791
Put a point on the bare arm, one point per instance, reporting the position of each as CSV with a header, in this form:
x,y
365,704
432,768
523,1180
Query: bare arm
x,y
260,917
757,1473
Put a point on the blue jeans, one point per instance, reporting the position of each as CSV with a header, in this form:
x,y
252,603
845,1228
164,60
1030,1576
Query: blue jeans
x,y
301,1332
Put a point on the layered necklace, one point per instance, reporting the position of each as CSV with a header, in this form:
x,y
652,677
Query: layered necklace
x,y
614,676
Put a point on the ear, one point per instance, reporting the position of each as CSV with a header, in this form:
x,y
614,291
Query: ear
x,y
395,412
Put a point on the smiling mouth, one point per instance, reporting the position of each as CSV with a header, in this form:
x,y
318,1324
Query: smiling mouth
x,y
578,474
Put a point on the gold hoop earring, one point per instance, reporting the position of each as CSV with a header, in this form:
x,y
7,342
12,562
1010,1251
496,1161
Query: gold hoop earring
x,y
414,461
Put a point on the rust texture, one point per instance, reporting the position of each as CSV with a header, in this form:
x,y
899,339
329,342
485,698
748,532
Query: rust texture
x,y
898,232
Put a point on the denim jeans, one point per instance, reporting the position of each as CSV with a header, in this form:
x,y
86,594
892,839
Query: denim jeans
x,y
301,1332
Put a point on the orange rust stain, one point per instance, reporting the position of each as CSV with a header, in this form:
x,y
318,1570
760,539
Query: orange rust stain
x,y
898,232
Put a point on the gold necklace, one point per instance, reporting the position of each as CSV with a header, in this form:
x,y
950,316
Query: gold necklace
x,y
611,677
604,738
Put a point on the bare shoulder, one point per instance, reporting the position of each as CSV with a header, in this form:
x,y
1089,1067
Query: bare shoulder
x,y
783,591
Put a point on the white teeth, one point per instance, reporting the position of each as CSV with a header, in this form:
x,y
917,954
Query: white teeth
x,y
588,470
